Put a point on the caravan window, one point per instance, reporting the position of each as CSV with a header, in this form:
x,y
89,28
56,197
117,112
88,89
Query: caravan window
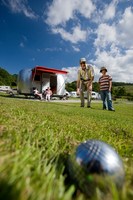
x,y
37,78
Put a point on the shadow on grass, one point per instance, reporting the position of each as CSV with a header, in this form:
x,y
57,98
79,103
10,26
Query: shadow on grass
x,y
16,96
8,192
62,162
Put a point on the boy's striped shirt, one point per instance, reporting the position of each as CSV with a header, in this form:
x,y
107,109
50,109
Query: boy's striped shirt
x,y
104,82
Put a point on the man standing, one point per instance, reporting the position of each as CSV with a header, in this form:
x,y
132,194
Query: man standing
x,y
84,82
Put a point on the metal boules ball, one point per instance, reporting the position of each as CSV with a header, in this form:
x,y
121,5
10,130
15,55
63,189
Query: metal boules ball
x,y
95,164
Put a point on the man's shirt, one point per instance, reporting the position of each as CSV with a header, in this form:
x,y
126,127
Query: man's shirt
x,y
86,74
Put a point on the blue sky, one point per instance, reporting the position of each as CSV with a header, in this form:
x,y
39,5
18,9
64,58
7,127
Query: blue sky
x,y
57,33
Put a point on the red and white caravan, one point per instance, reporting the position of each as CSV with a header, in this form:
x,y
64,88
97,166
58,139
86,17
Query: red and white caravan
x,y
41,78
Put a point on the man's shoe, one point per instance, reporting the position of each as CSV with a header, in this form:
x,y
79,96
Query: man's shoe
x,y
81,106
88,106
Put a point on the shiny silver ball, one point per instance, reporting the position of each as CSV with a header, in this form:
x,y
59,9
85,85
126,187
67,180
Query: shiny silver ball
x,y
95,164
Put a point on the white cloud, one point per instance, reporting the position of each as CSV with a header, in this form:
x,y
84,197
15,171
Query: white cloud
x,y
125,30
85,7
21,44
20,6
72,73
119,33
106,34
32,59
76,49
75,36
110,10
53,49
61,11
114,47
119,66
113,43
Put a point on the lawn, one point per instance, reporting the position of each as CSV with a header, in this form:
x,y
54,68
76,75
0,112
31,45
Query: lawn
x,y
37,137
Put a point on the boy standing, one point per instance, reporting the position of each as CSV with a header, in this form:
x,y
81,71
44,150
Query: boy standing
x,y
105,82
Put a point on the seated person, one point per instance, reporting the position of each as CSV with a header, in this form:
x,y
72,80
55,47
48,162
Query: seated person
x,y
48,93
36,93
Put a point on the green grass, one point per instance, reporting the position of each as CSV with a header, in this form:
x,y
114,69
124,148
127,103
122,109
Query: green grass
x,y
36,138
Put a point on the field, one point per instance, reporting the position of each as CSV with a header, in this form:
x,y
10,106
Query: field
x,y
37,137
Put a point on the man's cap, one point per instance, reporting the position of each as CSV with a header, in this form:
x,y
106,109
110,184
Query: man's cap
x,y
82,60
103,68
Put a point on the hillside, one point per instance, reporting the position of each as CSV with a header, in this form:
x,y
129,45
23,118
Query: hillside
x,y
6,78
128,88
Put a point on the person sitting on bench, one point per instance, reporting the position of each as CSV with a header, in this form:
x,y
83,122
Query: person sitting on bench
x,y
36,93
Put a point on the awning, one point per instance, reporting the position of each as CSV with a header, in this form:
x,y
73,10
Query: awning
x,y
49,70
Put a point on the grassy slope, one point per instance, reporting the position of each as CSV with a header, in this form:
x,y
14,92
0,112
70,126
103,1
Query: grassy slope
x,y
33,134
128,88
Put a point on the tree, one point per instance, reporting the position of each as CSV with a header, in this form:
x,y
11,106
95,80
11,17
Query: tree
x,y
95,87
120,91
71,86
14,81
7,79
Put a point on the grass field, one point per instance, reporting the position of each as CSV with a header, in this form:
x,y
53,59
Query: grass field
x,y
36,138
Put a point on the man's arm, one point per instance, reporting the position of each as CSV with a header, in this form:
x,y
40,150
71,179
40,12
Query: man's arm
x,y
78,83
91,74
92,78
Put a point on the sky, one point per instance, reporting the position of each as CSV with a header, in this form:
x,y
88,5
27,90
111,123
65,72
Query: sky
x,y
57,33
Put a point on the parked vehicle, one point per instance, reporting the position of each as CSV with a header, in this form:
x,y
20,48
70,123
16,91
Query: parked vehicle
x,y
5,88
94,95
74,94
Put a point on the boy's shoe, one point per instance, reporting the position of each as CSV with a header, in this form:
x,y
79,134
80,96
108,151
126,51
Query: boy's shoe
x,y
112,109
